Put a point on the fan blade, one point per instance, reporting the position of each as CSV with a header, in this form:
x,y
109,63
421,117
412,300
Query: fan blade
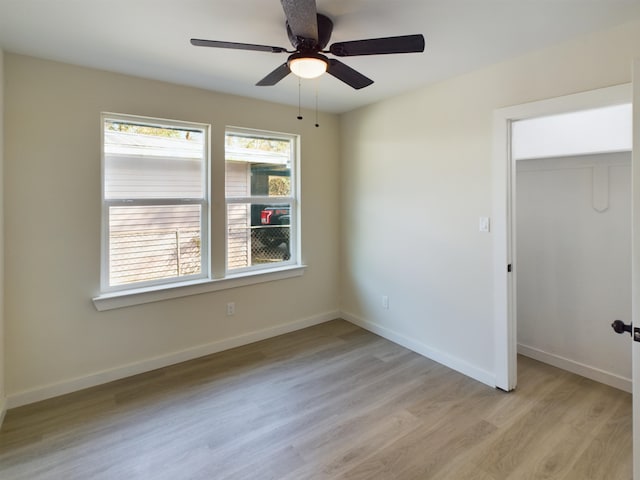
x,y
238,46
275,76
379,46
302,18
348,75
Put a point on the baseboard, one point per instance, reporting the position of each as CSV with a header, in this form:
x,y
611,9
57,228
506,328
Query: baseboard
x,y
578,368
445,359
105,376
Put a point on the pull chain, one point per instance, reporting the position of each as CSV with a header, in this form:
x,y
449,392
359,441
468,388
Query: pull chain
x,y
299,98
317,124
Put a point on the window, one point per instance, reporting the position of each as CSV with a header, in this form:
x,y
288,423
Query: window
x,y
157,210
261,199
155,202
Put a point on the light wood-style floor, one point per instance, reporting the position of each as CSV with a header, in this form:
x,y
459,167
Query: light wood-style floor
x,y
331,401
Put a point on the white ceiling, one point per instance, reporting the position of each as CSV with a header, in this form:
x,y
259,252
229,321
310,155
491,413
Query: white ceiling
x,y
150,38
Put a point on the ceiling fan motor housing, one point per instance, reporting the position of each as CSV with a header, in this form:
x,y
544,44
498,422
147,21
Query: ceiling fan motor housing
x,y
325,29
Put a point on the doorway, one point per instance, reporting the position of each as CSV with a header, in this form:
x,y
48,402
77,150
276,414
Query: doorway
x,y
573,261
504,214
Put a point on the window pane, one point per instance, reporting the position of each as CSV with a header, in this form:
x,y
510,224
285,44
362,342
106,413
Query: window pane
x,y
143,161
154,242
257,166
244,179
257,234
260,192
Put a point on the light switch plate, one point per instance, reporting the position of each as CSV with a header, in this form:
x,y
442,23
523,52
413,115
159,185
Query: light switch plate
x,y
484,224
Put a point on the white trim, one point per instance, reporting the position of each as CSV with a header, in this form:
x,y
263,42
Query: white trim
x,y
596,374
127,298
608,159
67,386
443,358
505,360
503,172
261,199
635,265
3,409
571,155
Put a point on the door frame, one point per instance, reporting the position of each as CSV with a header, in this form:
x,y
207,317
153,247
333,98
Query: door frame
x,y
504,219
635,264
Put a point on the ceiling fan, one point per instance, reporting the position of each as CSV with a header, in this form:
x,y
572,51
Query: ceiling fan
x,y
309,33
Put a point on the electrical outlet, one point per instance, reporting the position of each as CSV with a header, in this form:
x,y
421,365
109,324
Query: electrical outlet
x,y
231,308
385,302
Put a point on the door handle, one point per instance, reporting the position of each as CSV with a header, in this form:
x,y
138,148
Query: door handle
x,y
620,327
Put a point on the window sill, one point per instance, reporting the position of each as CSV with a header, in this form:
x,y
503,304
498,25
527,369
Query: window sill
x,y
110,301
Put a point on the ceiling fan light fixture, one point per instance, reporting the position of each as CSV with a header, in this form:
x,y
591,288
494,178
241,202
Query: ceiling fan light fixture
x,y
308,65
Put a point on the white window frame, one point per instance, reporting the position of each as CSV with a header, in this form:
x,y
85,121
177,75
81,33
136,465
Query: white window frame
x,y
204,203
293,200
139,293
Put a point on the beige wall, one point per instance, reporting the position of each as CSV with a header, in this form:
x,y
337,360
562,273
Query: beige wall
x,y
2,337
52,194
416,175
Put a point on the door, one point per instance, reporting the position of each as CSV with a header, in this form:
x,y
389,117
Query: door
x,y
635,169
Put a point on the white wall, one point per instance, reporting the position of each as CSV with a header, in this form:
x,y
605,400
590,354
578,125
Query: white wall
x,y
2,253
596,130
58,341
417,175
574,263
